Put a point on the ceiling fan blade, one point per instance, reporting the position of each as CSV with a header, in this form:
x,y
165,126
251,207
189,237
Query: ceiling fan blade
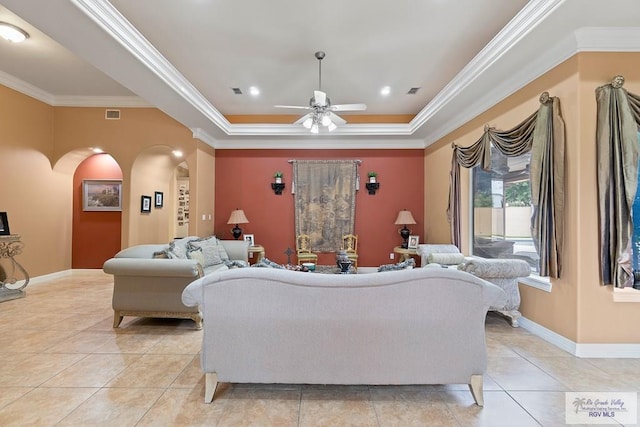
x,y
320,98
348,107
298,107
302,119
337,119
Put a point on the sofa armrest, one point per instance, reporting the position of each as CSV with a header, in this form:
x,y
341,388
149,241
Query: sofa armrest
x,y
496,268
153,267
236,249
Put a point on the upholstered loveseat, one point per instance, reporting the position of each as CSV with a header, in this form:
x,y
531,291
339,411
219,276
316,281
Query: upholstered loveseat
x,y
148,280
501,272
415,326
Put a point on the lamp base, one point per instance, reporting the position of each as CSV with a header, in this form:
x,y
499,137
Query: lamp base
x,y
237,232
404,233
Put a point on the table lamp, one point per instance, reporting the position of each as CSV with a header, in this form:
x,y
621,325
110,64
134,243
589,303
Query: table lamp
x,y
238,217
404,218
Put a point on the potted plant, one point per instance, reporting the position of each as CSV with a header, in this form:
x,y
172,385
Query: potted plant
x,y
278,177
372,176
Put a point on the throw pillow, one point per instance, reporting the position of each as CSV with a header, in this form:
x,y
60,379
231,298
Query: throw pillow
x,y
445,258
160,255
176,251
196,254
209,248
410,263
237,263
265,262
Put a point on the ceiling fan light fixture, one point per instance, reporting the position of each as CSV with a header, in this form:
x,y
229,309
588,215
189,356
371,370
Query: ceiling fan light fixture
x,y
307,122
12,33
326,120
332,126
314,128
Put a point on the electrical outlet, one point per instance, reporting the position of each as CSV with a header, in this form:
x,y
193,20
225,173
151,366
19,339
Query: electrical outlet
x,y
392,255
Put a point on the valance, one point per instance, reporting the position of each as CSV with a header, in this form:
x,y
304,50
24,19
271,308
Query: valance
x,y
542,133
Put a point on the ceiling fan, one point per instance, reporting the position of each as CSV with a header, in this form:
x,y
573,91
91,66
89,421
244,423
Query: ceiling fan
x,y
322,111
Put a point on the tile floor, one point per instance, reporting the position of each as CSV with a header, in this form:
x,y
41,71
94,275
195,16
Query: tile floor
x,y
63,364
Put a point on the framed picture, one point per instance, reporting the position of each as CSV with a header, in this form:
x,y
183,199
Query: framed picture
x,y
102,195
158,199
413,241
249,238
145,204
4,224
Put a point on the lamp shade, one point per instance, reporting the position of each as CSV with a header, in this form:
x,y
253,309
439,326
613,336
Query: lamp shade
x,y
238,217
405,217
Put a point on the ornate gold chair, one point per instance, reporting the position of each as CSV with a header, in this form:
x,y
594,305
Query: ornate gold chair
x,y
303,249
350,246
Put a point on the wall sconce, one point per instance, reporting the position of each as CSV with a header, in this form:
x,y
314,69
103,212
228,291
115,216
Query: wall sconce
x,y
277,186
372,184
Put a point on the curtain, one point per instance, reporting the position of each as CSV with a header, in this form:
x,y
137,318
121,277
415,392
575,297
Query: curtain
x,y
543,134
617,124
325,201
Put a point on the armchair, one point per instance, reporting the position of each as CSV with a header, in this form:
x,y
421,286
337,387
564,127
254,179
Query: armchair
x,y
350,246
303,249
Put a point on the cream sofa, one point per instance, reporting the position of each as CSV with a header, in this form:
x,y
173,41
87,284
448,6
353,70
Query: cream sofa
x,y
416,326
148,284
501,272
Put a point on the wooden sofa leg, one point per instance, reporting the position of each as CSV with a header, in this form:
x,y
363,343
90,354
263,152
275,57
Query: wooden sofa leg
x,y
476,389
117,319
210,385
198,319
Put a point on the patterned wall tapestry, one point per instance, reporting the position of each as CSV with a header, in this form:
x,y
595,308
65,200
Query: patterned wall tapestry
x,y
325,201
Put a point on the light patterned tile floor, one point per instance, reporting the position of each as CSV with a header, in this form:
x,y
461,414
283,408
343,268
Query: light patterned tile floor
x,y
63,364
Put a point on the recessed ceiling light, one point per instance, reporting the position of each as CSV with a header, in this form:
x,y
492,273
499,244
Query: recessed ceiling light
x,y
385,91
254,91
12,33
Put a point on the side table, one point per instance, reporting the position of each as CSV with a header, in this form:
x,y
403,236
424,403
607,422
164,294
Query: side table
x,y
405,253
10,246
258,250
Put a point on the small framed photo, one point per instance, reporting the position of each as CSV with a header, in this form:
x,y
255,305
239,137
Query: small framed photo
x,y
158,199
4,224
145,204
413,241
101,195
249,238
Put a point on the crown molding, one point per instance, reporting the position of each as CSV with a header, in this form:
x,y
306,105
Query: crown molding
x,y
25,88
101,101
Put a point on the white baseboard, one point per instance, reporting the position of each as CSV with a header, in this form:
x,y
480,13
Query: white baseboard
x,y
45,278
626,351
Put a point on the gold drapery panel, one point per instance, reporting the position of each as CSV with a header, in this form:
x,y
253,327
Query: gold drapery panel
x,y
618,120
325,201
542,133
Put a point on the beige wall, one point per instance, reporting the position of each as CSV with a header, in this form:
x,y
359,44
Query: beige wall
x,y
578,307
38,196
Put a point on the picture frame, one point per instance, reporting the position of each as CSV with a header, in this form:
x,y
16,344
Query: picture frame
x,y
413,241
158,199
145,204
249,238
102,195
4,224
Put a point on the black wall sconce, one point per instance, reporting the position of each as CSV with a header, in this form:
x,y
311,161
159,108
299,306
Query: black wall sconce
x,y
372,187
277,187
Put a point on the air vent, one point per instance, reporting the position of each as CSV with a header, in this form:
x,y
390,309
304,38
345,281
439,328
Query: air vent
x,y
413,91
112,114
236,90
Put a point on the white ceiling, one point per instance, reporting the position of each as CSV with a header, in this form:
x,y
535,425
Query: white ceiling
x,y
184,57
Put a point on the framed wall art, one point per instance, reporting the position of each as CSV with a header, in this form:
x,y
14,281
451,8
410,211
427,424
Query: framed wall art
x,y
4,224
158,199
145,204
102,195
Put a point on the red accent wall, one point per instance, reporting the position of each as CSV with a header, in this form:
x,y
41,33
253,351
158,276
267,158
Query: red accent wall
x,y
96,235
243,180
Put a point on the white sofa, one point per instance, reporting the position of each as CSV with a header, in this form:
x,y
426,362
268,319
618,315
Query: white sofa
x,y
416,326
501,272
147,286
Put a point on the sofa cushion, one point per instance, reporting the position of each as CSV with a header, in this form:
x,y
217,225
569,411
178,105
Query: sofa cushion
x,y
446,258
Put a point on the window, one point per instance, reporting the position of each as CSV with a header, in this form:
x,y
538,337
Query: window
x,y
635,215
502,209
